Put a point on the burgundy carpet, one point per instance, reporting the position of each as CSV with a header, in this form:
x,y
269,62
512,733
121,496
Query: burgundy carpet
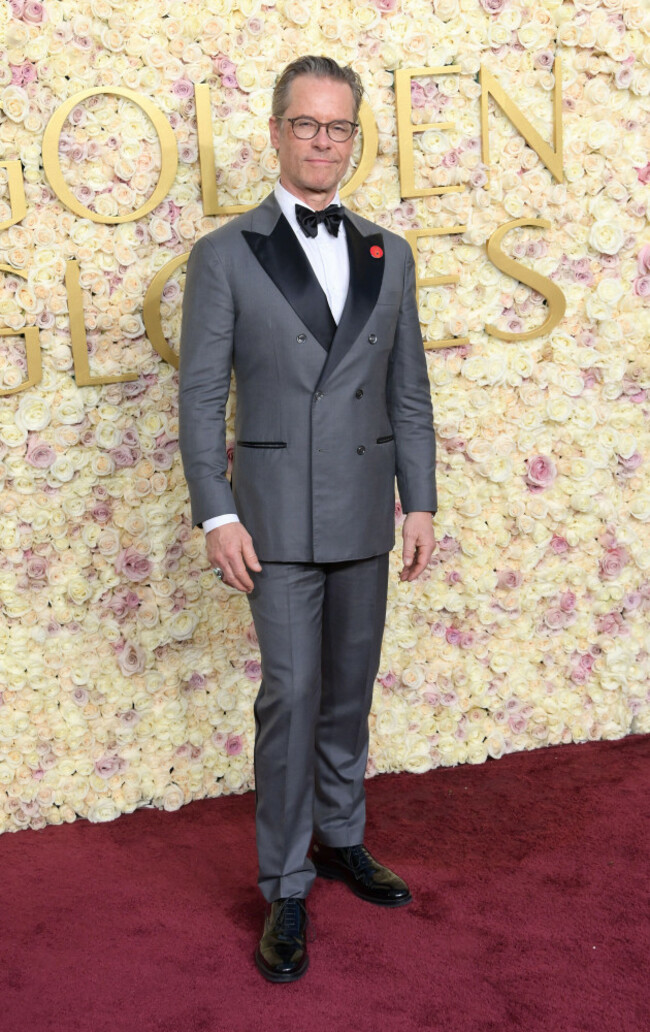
x,y
531,911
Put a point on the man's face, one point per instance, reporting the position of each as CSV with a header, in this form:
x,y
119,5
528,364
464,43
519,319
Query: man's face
x,y
312,169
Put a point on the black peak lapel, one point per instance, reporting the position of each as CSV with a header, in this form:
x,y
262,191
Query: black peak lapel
x,y
283,259
366,274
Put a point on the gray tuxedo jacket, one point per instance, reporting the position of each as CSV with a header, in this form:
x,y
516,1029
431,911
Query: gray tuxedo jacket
x,y
326,416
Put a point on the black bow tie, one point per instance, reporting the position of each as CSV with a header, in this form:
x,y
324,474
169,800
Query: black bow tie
x,y
331,217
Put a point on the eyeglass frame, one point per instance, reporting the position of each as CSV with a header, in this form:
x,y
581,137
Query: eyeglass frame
x,y
319,126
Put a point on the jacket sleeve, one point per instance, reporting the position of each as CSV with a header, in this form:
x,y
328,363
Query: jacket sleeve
x,y
205,368
409,405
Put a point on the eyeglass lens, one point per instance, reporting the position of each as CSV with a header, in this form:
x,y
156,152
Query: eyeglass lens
x,y
307,128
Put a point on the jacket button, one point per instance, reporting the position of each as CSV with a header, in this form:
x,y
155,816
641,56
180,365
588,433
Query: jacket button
x,y
301,338
372,338
361,449
318,395
358,393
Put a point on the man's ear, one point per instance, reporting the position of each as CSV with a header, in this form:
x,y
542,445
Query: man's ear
x,y
274,131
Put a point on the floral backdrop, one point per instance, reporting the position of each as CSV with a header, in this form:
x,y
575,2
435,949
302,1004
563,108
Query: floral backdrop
x,y
127,673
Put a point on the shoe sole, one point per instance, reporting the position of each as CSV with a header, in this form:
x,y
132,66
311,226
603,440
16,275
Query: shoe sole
x,y
333,874
273,977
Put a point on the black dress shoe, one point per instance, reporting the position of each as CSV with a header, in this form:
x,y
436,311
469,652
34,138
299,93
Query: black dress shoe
x,y
282,952
362,873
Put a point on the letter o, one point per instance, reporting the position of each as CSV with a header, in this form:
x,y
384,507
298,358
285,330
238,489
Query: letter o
x,y
52,165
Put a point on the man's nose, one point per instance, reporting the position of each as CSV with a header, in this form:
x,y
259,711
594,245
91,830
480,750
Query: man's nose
x,y
321,139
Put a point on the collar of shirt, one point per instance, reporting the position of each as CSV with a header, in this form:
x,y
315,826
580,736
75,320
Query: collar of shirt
x,y
327,254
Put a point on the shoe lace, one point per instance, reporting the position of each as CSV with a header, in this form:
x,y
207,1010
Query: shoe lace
x,y
289,917
361,861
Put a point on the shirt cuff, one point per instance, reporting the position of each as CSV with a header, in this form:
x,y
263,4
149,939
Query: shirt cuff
x,y
219,521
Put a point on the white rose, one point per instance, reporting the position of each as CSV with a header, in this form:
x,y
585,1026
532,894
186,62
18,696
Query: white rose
x,y
33,413
606,237
639,507
172,798
15,103
103,810
610,291
69,411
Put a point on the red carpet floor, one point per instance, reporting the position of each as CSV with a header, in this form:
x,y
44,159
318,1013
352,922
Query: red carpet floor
x,y
531,911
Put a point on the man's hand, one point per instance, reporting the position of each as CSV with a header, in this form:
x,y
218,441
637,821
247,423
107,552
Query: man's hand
x,y
230,547
418,544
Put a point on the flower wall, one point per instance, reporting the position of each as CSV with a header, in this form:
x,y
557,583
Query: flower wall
x,y
127,673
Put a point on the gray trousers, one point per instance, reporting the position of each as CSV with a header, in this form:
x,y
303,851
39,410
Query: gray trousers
x,y
319,628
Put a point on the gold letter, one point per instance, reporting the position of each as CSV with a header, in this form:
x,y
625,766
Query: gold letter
x,y
406,130
52,166
369,148
32,344
17,202
412,237
151,312
551,156
211,204
546,287
78,333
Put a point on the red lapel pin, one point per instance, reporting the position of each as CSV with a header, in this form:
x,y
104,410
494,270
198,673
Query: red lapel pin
x,y
376,252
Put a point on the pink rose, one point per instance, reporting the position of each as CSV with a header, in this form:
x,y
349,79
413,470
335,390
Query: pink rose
x,y
609,623
39,454
33,12
567,601
509,579
385,6
130,437
418,96
234,745
389,680
129,717
643,174
109,765
613,562
544,58
196,682
541,472
453,636
122,456
183,88
517,724
253,669
493,6
559,545
37,567
554,618
642,286
132,659
632,463
101,513
133,565
582,670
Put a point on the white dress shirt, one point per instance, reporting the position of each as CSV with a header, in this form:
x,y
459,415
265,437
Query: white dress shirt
x,y
328,257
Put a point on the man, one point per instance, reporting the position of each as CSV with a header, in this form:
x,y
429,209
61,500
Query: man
x,y
315,309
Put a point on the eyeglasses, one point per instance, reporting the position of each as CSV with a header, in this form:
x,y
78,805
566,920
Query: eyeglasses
x,y
307,128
